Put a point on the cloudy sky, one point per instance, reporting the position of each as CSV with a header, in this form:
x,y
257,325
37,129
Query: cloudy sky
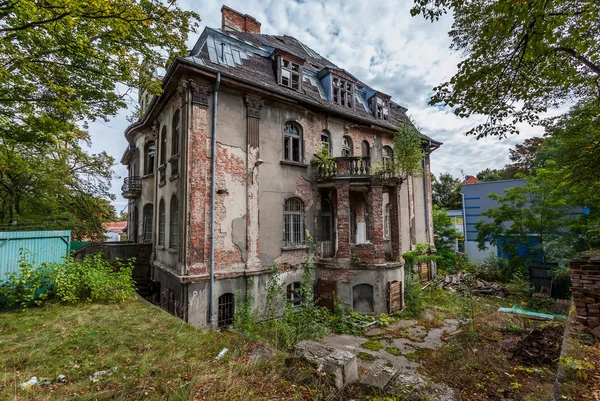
x,y
381,45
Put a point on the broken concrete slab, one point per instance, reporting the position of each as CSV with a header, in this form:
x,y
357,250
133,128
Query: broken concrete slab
x,y
377,379
416,387
338,365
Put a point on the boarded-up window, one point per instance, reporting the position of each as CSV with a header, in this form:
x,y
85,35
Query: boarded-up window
x,y
395,296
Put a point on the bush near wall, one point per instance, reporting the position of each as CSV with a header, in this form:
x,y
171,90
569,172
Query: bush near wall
x,y
92,279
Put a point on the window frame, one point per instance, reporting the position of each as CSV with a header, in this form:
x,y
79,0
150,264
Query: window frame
x,y
148,223
327,135
174,223
347,146
163,145
149,159
293,222
161,222
294,294
342,93
175,133
288,142
289,69
387,155
382,108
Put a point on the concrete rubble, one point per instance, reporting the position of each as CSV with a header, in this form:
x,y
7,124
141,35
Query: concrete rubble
x,y
338,365
453,282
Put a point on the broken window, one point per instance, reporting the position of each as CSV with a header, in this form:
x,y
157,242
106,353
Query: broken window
x,y
388,157
346,147
148,211
163,145
174,223
294,294
175,134
161,223
326,141
293,222
150,154
382,108
292,142
290,74
342,92
366,149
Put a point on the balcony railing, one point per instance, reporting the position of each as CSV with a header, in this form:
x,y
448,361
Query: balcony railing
x,y
345,167
132,187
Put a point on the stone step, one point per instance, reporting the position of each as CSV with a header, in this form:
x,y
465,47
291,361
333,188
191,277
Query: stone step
x,y
378,378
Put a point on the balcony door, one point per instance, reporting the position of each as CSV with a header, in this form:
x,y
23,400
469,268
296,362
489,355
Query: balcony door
x,y
327,240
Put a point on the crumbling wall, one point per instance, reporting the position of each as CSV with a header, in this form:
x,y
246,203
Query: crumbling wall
x,y
585,278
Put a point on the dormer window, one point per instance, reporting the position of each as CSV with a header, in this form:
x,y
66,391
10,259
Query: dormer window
x,y
290,74
382,109
343,92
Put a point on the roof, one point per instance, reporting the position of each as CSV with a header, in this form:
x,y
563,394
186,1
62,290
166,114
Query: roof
x,y
115,226
246,57
469,179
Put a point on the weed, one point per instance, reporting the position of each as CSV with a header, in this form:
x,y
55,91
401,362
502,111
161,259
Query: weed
x,y
413,356
366,357
393,351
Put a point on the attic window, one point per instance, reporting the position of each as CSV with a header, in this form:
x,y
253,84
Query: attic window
x,y
343,92
290,74
382,108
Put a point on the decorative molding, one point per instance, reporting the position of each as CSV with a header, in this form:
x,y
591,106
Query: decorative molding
x,y
155,128
200,93
182,89
254,105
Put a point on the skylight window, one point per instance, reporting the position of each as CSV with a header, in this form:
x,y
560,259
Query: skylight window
x,y
290,73
382,109
343,92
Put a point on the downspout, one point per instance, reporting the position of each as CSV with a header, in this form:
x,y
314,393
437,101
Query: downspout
x,y
462,196
213,168
425,197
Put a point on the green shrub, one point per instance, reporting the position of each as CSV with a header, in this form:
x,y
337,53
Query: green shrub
x,y
413,301
31,284
94,279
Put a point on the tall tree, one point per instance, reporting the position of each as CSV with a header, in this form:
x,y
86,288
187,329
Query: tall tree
x,y
520,58
63,60
446,191
55,186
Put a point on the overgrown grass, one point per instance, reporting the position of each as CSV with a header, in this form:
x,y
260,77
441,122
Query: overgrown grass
x,y
155,356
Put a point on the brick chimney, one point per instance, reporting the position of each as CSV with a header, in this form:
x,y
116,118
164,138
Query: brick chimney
x,y
232,20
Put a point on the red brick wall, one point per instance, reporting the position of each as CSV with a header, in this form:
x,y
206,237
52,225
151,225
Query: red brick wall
x,y
232,20
585,275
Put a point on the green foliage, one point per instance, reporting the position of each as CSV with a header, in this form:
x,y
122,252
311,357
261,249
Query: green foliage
x,y
446,191
413,301
384,320
408,152
92,279
366,356
577,367
61,61
519,58
445,236
540,303
393,351
31,284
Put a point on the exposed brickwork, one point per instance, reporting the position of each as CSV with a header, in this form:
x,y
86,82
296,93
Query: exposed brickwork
x,y
197,191
395,231
376,208
364,252
585,275
342,209
304,190
292,258
232,20
341,275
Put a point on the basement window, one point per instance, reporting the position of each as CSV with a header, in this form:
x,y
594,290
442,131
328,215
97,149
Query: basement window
x,y
290,74
342,92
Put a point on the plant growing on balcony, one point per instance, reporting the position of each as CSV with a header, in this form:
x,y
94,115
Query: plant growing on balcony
x,y
408,155
325,162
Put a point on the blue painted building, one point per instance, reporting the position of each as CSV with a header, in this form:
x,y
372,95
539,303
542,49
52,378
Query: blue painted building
x,y
475,202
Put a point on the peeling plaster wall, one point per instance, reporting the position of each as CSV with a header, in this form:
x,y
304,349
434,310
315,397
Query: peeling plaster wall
x,y
404,218
419,197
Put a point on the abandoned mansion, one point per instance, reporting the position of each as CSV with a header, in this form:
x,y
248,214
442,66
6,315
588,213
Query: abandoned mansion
x,y
224,182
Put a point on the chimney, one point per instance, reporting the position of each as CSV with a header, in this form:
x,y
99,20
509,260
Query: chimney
x,y
232,20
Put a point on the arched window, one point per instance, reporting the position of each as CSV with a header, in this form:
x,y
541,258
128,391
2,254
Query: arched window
x,y
163,145
226,309
161,223
346,146
150,152
366,149
387,156
292,142
293,220
174,223
148,211
176,128
294,294
134,224
326,141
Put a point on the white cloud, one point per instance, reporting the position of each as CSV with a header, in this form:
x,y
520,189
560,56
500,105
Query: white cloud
x,y
380,44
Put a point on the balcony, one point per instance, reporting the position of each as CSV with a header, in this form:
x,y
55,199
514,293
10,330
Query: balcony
x,y
132,187
344,167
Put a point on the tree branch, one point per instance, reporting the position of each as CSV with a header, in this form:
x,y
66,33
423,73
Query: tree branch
x,y
595,69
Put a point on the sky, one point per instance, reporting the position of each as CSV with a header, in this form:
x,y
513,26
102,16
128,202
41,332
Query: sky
x,y
380,44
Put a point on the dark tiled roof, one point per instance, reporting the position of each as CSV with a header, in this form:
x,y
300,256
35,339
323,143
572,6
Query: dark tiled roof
x,y
245,56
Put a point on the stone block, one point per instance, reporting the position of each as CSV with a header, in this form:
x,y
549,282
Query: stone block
x,y
596,332
377,379
338,365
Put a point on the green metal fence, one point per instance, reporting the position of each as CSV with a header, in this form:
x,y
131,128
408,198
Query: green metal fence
x,y
39,246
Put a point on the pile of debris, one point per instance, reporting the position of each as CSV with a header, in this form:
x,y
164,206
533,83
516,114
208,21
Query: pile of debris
x,y
455,282
540,347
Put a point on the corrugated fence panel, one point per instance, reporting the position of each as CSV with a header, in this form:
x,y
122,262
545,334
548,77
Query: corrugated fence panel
x,y
41,247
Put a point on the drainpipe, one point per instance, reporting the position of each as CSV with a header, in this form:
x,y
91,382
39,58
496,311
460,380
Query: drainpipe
x,y
462,196
425,197
213,168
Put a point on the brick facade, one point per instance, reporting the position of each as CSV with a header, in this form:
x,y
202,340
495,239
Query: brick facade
x,y
585,277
